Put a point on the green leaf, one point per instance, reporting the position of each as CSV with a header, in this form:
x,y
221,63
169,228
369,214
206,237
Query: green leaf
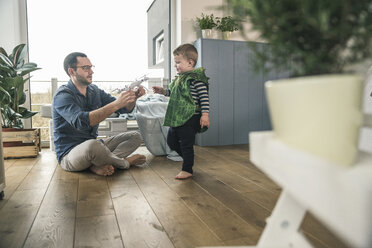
x,y
206,21
22,98
5,70
25,71
19,86
227,23
19,54
10,117
30,65
25,113
20,64
18,83
2,51
4,60
4,95
8,83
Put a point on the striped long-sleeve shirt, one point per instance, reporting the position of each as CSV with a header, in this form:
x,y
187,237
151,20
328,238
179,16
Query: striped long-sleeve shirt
x,y
199,92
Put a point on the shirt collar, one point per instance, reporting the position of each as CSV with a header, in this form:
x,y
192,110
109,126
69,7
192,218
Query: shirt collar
x,y
72,86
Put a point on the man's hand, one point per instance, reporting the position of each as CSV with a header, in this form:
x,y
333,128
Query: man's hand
x,y
125,99
204,120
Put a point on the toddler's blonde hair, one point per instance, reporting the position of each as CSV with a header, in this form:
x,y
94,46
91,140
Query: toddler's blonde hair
x,y
188,51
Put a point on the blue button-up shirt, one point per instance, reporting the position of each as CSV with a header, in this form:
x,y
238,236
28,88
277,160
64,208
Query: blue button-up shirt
x,y
71,125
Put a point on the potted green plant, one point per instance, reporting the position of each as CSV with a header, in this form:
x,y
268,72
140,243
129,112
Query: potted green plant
x,y
206,23
227,25
13,75
14,71
318,109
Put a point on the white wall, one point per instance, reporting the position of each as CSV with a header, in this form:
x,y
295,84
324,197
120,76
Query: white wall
x,y
190,9
183,21
13,23
185,29
194,8
13,31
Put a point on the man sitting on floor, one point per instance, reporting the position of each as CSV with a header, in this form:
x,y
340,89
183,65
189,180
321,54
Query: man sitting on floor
x,y
78,108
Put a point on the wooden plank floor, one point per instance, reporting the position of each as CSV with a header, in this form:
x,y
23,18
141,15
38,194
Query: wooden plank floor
x,y
226,203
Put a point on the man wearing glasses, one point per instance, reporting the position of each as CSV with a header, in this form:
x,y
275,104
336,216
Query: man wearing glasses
x,y
78,108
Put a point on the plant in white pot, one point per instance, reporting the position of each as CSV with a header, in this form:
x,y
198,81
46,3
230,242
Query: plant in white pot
x,y
206,23
319,109
227,25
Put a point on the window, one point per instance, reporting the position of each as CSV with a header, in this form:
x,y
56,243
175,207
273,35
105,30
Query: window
x,y
159,48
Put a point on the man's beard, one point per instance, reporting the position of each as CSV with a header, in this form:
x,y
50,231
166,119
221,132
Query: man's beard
x,y
82,81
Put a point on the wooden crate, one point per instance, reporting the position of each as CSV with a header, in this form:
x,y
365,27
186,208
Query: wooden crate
x,y
21,143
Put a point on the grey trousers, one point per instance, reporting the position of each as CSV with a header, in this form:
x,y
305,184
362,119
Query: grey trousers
x,y
112,151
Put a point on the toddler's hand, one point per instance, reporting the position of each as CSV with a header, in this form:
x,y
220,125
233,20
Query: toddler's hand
x,y
204,120
158,89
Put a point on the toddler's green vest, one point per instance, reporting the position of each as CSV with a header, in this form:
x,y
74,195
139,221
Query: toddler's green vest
x,y
181,105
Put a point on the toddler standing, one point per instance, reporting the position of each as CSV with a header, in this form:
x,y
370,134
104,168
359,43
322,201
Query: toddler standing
x,y
188,108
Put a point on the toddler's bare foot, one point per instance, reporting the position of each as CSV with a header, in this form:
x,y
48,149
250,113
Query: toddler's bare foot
x,y
183,175
136,159
106,170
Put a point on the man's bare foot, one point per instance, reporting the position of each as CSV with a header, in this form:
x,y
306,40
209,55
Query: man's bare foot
x,y
136,159
106,170
183,175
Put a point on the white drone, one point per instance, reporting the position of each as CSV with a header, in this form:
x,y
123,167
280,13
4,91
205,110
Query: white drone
x,y
133,85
